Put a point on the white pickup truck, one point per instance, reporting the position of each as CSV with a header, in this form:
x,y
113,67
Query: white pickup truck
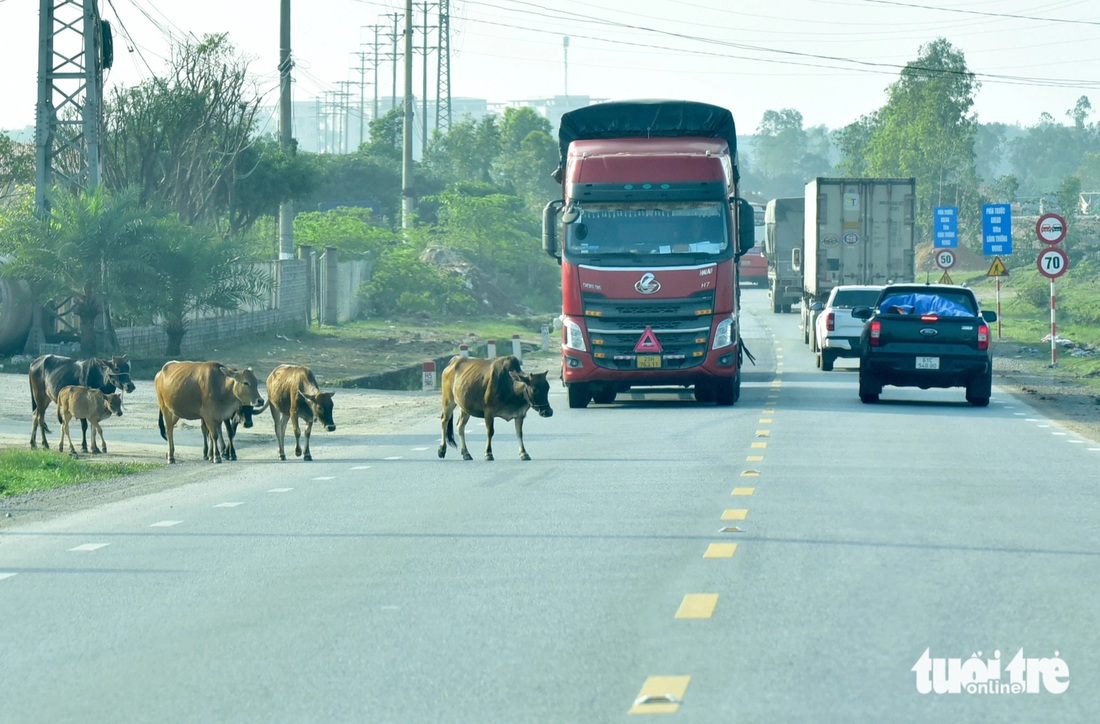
x,y
836,331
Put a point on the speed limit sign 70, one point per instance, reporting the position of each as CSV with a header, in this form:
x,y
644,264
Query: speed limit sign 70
x,y
1053,262
945,259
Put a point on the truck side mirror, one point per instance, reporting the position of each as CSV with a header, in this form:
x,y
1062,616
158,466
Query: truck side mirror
x,y
796,259
746,226
549,228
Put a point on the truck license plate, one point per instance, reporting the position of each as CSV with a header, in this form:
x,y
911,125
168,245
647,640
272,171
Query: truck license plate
x,y
928,363
649,361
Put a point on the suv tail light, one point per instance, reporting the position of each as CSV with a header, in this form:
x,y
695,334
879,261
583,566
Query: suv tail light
x,y
830,323
983,336
875,333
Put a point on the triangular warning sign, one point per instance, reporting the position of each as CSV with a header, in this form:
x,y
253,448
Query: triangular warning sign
x,y
946,278
648,342
997,268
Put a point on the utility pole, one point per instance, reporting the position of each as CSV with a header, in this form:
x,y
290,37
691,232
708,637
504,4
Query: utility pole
x,y
375,46
286,132
443,74
74,48
425,50
344,107
395,54
362,88
408,199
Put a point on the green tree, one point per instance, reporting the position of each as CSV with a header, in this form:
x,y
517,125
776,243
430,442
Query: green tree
x,y
926,130
350,229
193,271
16,165
1049,151
186,140
467,152
853,142
780,143
89,248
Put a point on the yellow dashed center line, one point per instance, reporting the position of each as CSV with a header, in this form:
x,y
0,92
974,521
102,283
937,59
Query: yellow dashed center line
x,y
759,444
661,695
743,491
754,458
765,420
750,473
698,605
720,550
734,514
763,433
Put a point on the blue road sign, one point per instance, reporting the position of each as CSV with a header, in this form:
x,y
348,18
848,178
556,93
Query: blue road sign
x,y
945,227
996,229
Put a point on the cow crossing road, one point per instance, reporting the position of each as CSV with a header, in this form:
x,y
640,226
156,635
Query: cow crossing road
x,y
791,555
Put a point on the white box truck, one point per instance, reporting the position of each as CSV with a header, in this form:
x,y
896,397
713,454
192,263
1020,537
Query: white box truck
x,y
857,231
784,225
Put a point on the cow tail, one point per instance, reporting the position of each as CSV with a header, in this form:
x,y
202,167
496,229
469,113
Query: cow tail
x,y
451,432
160,422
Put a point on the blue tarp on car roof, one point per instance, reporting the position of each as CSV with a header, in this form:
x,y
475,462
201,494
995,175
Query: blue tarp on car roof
x,y
915,303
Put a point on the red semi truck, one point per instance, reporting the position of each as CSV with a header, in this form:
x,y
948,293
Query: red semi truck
x,y
648,232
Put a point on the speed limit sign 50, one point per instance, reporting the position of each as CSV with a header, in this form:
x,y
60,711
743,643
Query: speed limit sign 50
x,y
1053,262
945,259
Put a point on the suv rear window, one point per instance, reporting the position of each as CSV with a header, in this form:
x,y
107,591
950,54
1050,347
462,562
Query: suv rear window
x,y
849,298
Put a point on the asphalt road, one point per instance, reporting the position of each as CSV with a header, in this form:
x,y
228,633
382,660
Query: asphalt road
x,y
381,584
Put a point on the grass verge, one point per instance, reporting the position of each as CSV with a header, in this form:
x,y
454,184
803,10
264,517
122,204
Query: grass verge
x,y
27,471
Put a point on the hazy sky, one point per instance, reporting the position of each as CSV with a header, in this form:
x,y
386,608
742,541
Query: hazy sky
x,y
829,59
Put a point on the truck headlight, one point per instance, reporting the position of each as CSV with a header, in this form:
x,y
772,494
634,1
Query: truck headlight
x,y
723,334
573,337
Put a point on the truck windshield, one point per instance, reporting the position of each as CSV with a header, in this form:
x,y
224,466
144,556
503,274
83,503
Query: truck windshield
x,y
651,228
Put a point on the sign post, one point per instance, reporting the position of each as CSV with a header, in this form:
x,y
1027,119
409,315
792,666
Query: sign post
x,y
998,269
1053,263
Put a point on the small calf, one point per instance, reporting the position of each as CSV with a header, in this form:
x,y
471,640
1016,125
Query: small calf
x,y
85,403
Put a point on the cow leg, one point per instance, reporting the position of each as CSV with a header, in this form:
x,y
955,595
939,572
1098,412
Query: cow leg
x,y
83,435
446,421
280,430
519,436
205,441
170,420
230,451
97,430
488,436
297,435
463,418
38,424
215,430
305,451
65,434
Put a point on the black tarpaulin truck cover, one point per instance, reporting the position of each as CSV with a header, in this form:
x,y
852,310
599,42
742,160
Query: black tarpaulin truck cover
x,y
645,119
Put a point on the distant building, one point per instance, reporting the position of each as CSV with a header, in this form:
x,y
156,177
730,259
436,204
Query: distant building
x,y
554,107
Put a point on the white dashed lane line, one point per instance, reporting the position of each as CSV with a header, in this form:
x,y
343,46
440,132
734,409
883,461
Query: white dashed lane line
x,y
4,575
361,467
326,477
280,490
89,547
165,523
228,505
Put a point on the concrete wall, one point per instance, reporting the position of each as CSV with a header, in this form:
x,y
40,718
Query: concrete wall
x,y
287,308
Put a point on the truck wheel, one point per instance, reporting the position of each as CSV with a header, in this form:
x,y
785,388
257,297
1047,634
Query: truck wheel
x,y
805,333
978,392
704,392
579,396
869,387
786,309
724,393
604,396
827,359
777,307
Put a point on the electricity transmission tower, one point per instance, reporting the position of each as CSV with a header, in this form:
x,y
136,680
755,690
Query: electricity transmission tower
x,y
74,47
443,74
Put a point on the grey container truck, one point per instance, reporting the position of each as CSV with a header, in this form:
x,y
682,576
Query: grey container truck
x,y
857,231
784,225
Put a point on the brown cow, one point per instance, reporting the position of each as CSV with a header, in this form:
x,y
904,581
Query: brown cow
x,y
207,391
293,394
490,388
50,372
85,403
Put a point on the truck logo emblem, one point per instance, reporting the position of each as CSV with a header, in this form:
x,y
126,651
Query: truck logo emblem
x,y
648,284
929,332
648,342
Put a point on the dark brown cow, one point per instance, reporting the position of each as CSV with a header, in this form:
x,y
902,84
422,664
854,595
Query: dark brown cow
x,y
293,394
490,388
85,403
207,391
50,372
